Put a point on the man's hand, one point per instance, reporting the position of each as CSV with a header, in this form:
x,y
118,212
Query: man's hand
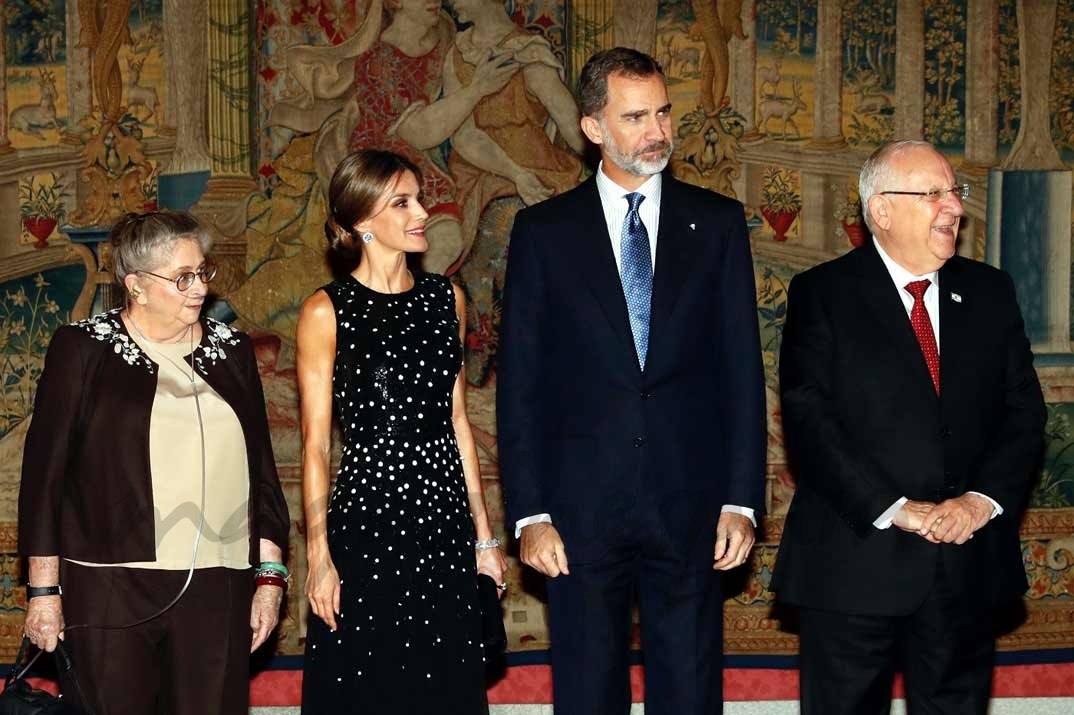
x,y
912,515
734,539
953,521
542,549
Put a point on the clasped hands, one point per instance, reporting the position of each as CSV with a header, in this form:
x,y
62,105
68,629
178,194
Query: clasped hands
x,y
541,547
952,521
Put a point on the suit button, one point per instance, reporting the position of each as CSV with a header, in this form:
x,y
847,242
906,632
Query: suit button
x,y
646,395
945,432
639,441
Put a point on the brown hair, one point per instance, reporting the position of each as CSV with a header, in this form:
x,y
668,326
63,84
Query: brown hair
x,y
593,82
357,184
142,242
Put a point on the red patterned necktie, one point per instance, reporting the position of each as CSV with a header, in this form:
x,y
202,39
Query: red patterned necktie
x,y
919,318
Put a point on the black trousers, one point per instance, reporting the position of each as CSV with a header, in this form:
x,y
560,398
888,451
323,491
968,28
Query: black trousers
x,y
946,648
192,660
681,626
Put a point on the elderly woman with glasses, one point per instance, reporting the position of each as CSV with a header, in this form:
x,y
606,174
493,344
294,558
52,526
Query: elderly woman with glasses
x,y
150,510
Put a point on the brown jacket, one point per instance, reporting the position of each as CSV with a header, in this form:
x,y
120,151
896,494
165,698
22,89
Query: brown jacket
x,y
86,491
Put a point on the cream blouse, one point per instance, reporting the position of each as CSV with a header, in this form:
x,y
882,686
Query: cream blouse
x,y
176,468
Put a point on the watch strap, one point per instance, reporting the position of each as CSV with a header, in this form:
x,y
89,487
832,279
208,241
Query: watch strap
x,y
35,591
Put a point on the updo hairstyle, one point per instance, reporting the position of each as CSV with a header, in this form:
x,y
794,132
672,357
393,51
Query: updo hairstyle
x,y
144,242
357,185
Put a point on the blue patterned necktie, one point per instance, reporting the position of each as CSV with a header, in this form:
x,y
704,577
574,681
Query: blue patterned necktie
x,y
636,273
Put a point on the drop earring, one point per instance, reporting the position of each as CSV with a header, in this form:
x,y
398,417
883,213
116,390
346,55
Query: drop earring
x,y
367,237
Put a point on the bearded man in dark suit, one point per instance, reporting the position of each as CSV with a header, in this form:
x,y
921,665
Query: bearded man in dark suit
x,y
631,406
913,421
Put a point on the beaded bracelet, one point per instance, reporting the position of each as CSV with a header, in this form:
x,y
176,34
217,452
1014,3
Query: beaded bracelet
x,y
485,544
271,581
273,566
270,572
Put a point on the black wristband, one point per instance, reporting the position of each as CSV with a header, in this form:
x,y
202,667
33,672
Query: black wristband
x,y
35,591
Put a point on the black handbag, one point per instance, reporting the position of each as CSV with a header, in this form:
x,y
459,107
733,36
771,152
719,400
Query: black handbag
x,y
493,634
20,698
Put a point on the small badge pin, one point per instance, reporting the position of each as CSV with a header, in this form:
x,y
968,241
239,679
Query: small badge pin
x,y
692,227
956,297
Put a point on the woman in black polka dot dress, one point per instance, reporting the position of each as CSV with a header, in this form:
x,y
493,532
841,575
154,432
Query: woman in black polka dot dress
x,y
395,626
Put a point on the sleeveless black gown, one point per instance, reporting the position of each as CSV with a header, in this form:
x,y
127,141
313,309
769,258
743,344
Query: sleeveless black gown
x,y
399,526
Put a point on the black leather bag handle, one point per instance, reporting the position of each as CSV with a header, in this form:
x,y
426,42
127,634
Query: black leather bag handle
x,y
64,664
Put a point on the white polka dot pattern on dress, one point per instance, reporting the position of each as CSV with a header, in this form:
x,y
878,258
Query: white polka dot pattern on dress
x,y
399,526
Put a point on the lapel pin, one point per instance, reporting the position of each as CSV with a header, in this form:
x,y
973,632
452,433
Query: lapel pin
x,y
956,297
691,227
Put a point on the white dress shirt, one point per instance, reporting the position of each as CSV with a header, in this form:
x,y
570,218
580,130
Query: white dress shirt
x,y
900,278
613,201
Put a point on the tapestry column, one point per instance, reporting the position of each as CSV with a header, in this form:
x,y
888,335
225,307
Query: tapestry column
x,y
184,179
828,90
635,24
9,192
79,84
817,220
589,28
744,73
1029,199
982,85
230,106
910,69
5,143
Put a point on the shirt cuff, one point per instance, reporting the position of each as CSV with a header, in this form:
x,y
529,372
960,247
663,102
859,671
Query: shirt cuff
x,y
996,508
885,520
743,510
529,520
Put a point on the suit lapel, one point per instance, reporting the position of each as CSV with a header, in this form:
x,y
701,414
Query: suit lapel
x,y
954,335
673,251
597,263
889,315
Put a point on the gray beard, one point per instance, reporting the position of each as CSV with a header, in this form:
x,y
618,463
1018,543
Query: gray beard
x,y
633,163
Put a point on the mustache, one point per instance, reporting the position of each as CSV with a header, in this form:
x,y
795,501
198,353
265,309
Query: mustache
x,y
660,146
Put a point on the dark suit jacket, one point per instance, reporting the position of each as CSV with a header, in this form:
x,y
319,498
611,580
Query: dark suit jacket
x,y
583,432
864,427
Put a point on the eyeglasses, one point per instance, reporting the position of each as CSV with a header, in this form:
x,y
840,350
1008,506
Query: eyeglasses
x,y
184,280
962,192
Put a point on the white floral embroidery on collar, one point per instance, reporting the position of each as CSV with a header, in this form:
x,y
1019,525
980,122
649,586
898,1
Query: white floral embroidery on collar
x,y
212,347
106,328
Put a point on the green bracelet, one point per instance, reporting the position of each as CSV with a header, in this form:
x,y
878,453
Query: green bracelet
x,y
273,566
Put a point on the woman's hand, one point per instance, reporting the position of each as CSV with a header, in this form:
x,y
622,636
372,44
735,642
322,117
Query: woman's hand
x,y
264,613
322,587
492,563
493,72
44,621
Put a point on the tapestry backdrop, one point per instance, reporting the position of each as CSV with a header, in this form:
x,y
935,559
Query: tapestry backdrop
x,y
107,107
